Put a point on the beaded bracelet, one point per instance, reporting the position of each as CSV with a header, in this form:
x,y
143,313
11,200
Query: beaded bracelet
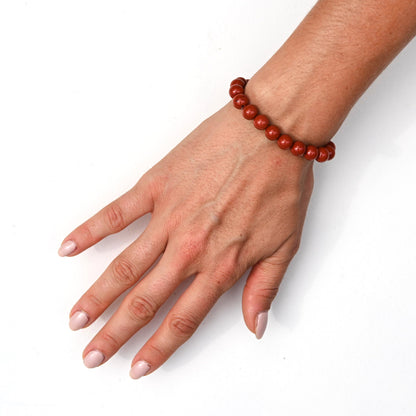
x,y
272,132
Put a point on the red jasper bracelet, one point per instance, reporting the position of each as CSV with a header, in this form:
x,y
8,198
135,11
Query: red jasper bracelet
x,y
272,132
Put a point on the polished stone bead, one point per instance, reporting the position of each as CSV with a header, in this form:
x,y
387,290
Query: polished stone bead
x,y
331,151
298,148
272,132
239,81
250,111
332,144
261,122
285,141
311,152
235,90
240,100
323,154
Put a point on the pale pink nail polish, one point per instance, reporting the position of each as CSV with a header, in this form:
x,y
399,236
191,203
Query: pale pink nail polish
x,y
78,320
67,248
93,359
261,323
139,369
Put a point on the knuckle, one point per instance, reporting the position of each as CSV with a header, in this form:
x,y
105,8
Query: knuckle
x,y
173,221
157,351
267,292
183,326
114,217
110,341
193,244
85,232
227,268
147,247
149,183
141,308
227,272
123,272
94,300
214,287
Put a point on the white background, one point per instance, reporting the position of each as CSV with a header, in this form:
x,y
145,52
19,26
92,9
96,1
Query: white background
x,y
92,94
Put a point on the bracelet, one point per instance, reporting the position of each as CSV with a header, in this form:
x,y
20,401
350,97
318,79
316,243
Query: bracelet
x,y
272,132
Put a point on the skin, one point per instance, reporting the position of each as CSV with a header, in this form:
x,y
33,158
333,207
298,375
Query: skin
x,y
225,198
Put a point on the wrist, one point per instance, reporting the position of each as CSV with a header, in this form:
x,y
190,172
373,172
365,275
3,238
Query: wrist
x,y
273,132
309,86
297,103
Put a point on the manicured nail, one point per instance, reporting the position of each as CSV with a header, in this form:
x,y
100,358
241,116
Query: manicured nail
x,y
78,320
93,359
67,248
261,323
139,369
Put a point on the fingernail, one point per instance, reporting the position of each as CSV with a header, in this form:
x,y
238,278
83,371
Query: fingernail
x,y
78,320
67,248
139,369
93,359
261,323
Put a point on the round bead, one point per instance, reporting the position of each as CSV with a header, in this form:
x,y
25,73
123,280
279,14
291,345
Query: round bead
x,y
250,111
261,122
240,100
285,142
298,148
272,132
236,89
323,154
239,81
311,152
332,144
331,152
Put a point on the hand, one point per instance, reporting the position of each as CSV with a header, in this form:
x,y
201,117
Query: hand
x,y
225,199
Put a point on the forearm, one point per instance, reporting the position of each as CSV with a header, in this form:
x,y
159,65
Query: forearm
x,y
311,83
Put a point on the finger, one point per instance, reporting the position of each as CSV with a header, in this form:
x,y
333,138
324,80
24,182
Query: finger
x,y
138,308
111,219
261,288
178,326
123,272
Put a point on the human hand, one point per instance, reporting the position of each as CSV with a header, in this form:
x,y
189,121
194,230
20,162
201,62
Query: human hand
x,y
223,200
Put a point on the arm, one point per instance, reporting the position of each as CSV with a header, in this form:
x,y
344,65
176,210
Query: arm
x,y
314,79
227,199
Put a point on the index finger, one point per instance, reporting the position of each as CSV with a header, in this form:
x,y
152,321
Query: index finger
x,y
111,219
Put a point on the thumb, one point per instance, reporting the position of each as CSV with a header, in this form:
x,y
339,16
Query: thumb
x,y
260,290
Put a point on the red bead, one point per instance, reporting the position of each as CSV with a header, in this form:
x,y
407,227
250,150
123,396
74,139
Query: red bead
x,y
261,122
272,132
250,111
285,142
331,152
240,100
298,148
239,81
236,89
323,154
332,144
311,152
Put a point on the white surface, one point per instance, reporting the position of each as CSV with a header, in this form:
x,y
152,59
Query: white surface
x,y
92,94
